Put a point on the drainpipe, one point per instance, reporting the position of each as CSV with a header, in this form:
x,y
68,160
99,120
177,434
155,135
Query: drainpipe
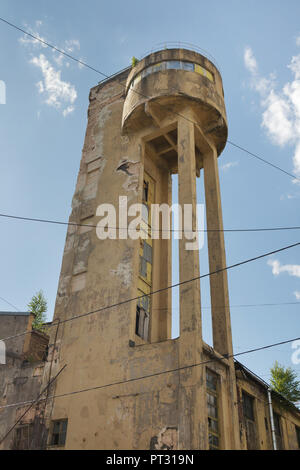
x,y
272,419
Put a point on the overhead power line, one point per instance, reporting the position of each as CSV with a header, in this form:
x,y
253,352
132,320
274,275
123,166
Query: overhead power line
x,y
98,387
160,290
57,222
280,304
163,289
263,160
8,303
61,51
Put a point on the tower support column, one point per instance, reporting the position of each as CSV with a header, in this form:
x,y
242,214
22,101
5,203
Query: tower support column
x,y
220,310
192,391
222,338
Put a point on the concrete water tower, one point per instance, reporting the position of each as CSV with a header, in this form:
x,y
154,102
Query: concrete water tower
x,y
165,115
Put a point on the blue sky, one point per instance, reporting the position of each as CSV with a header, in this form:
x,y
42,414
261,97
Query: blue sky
x,y
257,47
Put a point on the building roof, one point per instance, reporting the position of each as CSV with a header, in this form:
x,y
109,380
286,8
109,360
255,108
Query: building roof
x,y
266,386
114,75
15,313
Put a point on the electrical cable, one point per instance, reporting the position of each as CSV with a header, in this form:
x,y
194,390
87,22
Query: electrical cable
x,y
163,289
8,303
98,387
32,403
49,221
61,51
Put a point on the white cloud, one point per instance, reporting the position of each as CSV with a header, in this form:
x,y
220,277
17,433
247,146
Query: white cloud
x,y
298,40
59,59
291,269
68,47
276,119
259,83
72,44
289,196
281,109
32,41
250,61
68,110
35,41
297,294
228,165
59,94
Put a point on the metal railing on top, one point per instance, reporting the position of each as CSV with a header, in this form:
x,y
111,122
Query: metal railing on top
x,y
170,45
182,45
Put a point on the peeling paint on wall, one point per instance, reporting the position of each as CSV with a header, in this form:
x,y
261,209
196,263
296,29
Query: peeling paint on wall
x,y
124,271
78,282
167,439
132,170
82,254
97,134
63,286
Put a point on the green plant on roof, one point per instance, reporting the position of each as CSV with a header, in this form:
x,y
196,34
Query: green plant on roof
x,y
134,61
284,381
38,306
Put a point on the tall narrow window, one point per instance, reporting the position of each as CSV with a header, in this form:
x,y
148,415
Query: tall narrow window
x,y
143,308
278,432
59,431
212,409
145,191
250,424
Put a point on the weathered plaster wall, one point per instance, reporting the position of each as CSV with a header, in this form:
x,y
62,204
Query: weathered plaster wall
x,y
96,273
123,408
21,376
289,419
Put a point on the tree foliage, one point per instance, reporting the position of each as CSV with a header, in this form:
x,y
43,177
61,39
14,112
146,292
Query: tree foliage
x,y
38,306
284,381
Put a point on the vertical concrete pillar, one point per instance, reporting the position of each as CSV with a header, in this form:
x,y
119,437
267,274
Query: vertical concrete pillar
x,y
222,336
192,391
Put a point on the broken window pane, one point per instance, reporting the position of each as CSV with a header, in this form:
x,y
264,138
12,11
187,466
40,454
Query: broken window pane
x,y
212,409
157,67
145,213
278,434
145,191
146,327
142,323
213,442
188,66
173,64
250,424
211,380
213,425
146,303
147,252
248,406
143,267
